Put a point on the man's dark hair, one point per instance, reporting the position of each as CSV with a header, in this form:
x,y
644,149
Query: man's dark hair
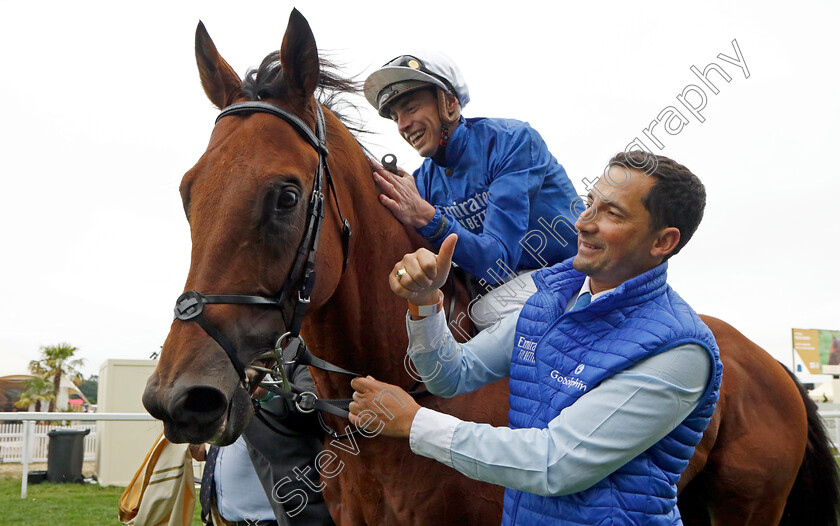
x,y
677,197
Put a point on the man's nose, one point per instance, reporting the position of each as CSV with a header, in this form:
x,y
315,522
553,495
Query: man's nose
x,y
586,220
403,123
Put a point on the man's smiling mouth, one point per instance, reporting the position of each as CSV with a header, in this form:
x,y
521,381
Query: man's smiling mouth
x,y
414,137
589,246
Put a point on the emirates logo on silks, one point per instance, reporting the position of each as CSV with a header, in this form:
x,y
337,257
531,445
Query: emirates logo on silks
x,y
579,369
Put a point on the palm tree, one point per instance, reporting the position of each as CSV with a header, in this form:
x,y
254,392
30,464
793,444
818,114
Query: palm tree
x,y
56,362
38,390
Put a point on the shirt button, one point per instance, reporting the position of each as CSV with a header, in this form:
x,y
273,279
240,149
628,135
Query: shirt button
x,y
448,171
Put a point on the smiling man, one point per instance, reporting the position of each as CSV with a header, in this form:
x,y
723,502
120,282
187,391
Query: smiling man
x,y
613,377
491,181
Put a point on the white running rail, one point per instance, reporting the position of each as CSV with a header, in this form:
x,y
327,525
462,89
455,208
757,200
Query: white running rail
x,y
29,420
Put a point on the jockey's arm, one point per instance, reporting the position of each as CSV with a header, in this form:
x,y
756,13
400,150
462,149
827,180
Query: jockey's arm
x,y
516,179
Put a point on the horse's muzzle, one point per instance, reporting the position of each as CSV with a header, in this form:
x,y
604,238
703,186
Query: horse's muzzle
x,y
198,413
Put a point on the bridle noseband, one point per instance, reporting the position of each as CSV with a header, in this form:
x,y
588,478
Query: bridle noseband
x,y
301,280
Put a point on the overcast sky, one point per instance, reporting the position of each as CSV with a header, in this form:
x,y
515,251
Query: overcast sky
x,y
103,113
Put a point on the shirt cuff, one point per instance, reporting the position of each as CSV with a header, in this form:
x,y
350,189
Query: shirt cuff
x,y
436,228
424,335
431,435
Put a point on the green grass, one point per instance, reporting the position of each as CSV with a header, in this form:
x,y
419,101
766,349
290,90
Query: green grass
x,y
49,504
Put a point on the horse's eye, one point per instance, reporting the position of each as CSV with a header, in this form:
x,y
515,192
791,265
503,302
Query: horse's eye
x,y
287,199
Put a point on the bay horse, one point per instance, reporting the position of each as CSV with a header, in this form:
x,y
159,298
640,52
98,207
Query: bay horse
x,y
246,203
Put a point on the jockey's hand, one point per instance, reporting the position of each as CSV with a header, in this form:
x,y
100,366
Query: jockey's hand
x,y
382,408
424,273
400,196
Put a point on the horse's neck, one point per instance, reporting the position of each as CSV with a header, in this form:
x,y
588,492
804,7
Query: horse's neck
x,y
362,325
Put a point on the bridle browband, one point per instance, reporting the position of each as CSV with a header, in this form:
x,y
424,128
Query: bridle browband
x,y
301,280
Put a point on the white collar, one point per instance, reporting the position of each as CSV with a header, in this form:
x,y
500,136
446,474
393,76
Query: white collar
x,y
585,288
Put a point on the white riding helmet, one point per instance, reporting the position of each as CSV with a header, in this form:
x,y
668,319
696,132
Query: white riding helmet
x,y
410,72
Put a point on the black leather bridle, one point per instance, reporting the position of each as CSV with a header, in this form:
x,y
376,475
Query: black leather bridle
x,y
290,347
301,280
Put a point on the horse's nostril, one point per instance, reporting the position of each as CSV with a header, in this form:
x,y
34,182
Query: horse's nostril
x,y
204,399
201,405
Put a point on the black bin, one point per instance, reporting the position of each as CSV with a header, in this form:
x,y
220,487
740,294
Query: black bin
x,y
36,477
66,455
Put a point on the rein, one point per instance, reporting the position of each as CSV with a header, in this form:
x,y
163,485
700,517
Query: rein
x,y
290,347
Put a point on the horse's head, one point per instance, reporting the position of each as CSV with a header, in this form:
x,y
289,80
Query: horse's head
x,y
248,204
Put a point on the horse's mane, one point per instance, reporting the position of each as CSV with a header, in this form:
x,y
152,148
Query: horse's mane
x,y
266,81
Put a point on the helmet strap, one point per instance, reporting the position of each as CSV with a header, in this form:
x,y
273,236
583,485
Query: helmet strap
x,y
447,119
439,158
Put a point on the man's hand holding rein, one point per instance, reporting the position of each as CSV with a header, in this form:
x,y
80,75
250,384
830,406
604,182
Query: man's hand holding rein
x,y
382,408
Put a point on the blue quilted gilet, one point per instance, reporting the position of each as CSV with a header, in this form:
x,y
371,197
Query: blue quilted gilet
x,y
559,357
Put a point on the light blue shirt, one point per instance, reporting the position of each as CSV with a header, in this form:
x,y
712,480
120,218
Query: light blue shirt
x,y
607,427
239,494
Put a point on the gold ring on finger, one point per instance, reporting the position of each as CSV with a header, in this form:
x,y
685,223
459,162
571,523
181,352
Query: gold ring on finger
x,y
400,273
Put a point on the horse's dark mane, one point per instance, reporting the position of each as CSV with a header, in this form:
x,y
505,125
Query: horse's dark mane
x,y
267,82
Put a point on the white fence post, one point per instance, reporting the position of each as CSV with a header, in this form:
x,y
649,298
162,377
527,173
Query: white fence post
x,y
27,448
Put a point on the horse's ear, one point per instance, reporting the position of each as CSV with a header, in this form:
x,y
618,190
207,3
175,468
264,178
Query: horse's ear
x,y
299,57
220,82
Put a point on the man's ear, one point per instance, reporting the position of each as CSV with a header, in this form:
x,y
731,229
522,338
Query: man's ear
x,y
450,108
665,242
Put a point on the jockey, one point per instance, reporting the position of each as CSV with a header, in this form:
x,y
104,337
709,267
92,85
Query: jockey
x,y
491,181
